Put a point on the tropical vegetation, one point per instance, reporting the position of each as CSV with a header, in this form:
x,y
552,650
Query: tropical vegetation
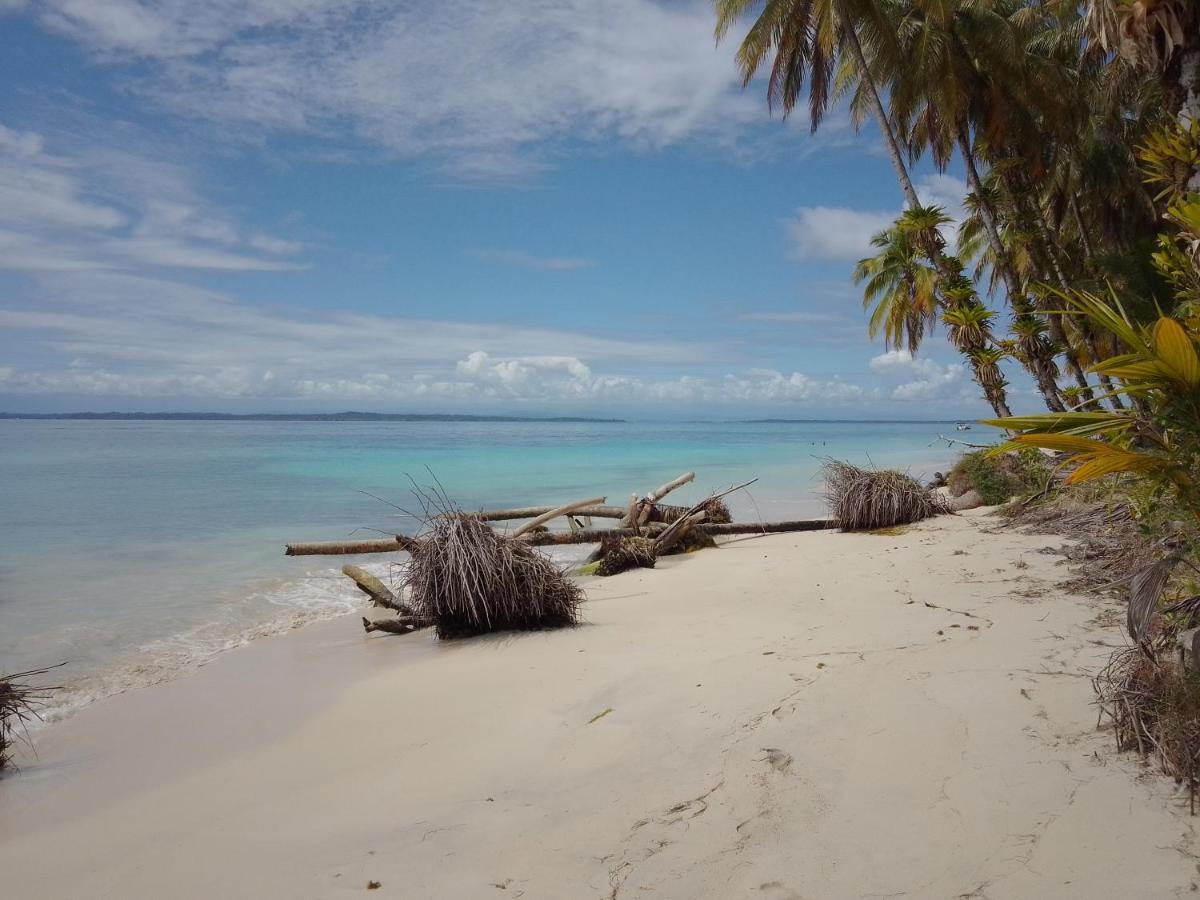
x,y
1046,106
1077,126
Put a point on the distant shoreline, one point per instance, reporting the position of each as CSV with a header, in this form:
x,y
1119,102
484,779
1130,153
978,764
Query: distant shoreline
x,y
352,416
294,417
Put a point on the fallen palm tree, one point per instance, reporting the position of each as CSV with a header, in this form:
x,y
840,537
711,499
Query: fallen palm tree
x,y
20,703
465,575
865,499
463,578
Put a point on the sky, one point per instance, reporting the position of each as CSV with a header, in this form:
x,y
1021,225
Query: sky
x,y
545,207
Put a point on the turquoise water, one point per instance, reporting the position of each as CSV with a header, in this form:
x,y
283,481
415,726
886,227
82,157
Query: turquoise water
x,y
133,549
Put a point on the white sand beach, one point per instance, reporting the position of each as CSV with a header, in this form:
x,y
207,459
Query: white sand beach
x,y
799,716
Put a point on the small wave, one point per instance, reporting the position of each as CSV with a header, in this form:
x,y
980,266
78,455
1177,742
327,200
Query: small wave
x,y
264,611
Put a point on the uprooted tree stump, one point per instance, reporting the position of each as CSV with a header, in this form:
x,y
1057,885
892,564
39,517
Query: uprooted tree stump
x,y
620,554
467,579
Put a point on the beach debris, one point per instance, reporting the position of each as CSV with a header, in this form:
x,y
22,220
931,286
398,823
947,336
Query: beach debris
x,y
553,538
20,704
869,499
468,579
466,573
619,554
600,715
380,593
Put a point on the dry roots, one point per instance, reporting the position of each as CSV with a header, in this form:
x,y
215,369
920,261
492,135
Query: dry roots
x,y
19,704
1155,709
867,499
715,509
468,580
619,554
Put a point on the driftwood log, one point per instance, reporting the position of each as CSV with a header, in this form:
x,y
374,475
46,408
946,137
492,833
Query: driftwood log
x,y
640,510
380,593
552,538
556,513
349,548
402,625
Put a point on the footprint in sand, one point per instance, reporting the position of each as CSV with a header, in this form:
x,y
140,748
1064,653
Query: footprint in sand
x,y
778,759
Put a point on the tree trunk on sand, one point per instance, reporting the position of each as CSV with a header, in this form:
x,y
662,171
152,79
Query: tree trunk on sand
x,y
405,625
881,116
380,593
349,548
556,513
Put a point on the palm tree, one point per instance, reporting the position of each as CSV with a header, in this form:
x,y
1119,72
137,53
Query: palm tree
x,y
939,92
1159,36
902,289
807,38
907,289
968,326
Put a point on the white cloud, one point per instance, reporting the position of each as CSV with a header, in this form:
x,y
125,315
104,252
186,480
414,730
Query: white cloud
x,y
525,260
926,380
475,83
841,233
834,232
115,335
100,208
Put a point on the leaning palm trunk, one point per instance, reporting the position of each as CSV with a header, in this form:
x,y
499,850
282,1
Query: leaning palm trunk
x,y
1040,368
881,116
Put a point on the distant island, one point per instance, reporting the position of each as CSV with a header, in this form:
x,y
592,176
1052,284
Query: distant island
x,y
293,417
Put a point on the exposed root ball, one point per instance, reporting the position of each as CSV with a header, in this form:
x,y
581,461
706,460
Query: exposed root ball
x,y
868,499
717,513
619,554
1154,705
693,540
468,580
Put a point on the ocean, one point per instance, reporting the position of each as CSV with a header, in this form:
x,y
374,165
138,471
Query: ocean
x,y
134,550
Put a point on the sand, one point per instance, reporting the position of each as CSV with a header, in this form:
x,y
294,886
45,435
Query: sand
x,y
799,716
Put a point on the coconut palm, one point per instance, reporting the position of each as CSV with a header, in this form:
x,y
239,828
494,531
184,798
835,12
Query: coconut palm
x,y
900,290
808,39
1159,36
948,84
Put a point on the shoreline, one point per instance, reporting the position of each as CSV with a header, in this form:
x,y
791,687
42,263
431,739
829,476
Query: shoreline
x,y
703,735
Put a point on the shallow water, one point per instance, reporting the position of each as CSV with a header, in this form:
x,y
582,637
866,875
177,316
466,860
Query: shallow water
x,y
133,549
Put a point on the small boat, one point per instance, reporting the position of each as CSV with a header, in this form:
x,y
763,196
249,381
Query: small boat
x,y
962,426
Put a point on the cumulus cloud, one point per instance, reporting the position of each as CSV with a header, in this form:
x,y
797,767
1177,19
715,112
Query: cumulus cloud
x,y
110,334
834,232
923,379
839,233
477,83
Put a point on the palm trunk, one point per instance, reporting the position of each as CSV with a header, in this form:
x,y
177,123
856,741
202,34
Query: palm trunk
x,y
1085,240
1185,92
1050,250
1038,368
881,116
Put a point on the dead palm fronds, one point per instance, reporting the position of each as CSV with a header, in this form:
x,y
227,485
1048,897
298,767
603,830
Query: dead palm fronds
x,y
619,554
1154,705
20,703
862,499
467,579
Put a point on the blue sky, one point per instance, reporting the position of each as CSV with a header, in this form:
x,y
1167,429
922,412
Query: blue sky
x,y
553,206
